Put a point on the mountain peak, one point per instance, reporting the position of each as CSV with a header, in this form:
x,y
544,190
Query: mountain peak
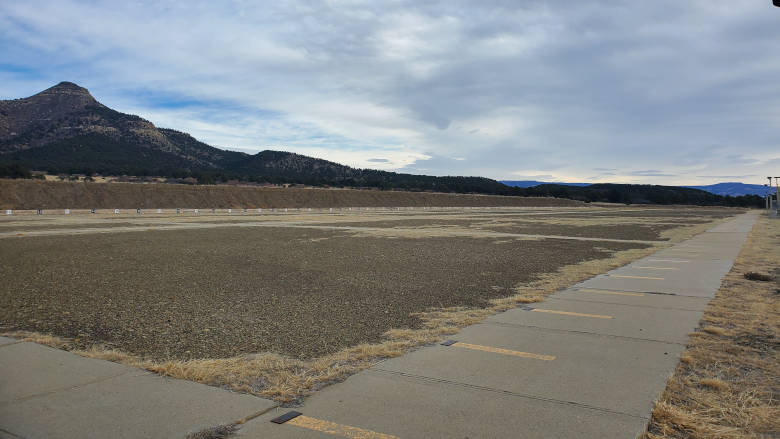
x,y
66,87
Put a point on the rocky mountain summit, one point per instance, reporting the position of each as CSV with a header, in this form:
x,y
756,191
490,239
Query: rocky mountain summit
x,y
22,120
68,111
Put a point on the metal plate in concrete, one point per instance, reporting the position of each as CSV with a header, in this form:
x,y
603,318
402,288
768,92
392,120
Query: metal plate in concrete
x,y
633,298
132,405
31,369
416,407
669,325
618,374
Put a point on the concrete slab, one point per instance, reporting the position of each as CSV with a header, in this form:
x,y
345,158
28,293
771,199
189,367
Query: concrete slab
x,y
633,298
664,273
417,407
622,375
648,285
132,405
698,275
31,369
4,341
668,325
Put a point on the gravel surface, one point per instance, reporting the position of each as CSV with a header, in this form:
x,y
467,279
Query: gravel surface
x,y
682,214
222,292
641,232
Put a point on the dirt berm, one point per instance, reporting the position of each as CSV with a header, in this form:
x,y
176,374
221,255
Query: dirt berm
x,y
33,194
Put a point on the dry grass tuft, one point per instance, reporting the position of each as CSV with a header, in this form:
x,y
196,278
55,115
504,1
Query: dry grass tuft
x,y
714,330
727,382
35,337
714,383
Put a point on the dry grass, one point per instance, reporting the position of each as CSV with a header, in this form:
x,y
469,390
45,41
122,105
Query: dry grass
x,y
288,380
35,337
727,382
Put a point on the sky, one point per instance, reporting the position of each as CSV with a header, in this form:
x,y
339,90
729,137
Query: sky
x,y
659,92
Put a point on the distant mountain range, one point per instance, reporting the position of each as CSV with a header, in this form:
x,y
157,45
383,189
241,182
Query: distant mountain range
x,y
532,183
65,130
732,189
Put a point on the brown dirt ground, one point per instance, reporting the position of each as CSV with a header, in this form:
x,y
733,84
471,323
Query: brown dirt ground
x,y
33,194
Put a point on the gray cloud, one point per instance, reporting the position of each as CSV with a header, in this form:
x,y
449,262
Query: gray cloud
x,y
663,91
728,176
650,173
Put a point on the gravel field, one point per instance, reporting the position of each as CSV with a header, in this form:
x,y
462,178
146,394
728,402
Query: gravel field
x,y
223,292
642,232
226,291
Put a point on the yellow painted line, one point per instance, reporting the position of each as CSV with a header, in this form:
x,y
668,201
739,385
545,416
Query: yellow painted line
x,y
635,277
616,293
337,429
567,313
669,260
656,268
477,347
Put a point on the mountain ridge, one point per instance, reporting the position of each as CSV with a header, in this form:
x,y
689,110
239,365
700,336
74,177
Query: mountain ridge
x,y
732,189
64,129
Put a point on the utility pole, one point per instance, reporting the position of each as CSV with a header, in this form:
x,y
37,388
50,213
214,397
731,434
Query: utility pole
x,y
777,192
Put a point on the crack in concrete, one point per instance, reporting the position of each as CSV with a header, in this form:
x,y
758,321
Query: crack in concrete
x,y
65,389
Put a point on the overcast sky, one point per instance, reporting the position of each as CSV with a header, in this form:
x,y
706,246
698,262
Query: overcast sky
x,y
662,91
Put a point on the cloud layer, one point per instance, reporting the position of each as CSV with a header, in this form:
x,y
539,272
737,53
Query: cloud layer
x,y
652,92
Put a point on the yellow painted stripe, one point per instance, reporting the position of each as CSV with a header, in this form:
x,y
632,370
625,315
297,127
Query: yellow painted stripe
x,y
635,277
477,347
656,268
567,313
337,429
669,260
616,293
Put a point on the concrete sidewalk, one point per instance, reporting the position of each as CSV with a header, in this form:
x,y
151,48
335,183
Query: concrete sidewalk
x,y
587,363
50,393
